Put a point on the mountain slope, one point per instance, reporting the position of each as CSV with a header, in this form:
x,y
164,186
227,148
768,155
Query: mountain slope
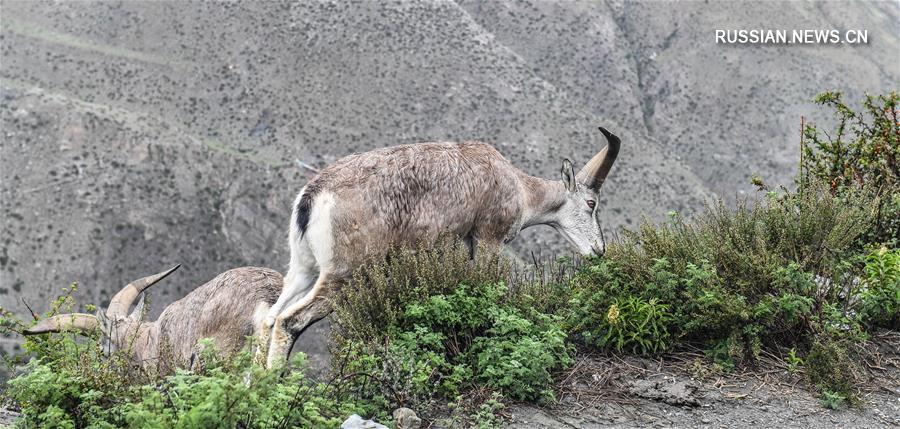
x,y
137,135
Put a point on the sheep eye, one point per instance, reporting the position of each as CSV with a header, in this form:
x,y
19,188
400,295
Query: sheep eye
x,y
591,204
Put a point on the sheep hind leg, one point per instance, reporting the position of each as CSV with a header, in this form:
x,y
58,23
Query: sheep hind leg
x,y
277,349
300,278
294,319
292,293
317,310
296,287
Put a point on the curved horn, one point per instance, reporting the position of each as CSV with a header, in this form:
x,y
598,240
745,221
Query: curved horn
x,y
594,172
83,323
118,306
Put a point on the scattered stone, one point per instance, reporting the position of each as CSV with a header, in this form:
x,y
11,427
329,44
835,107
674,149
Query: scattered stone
x,y
406,419
7,417
357,422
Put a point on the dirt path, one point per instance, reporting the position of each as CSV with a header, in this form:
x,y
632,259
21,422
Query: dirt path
x,y
612,392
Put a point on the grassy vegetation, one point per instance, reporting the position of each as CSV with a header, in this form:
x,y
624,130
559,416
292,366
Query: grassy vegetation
x,y
72,383
443,327
806,274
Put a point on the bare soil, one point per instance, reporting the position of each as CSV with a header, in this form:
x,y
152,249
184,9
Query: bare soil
x,y
684,390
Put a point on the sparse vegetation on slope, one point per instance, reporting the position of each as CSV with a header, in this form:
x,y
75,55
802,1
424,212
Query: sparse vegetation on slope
x,y
807,275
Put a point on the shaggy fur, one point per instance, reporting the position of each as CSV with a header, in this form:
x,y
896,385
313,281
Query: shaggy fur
x,y
227,309
411,193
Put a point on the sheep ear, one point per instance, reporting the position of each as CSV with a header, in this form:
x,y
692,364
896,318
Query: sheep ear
x,y
105,324
568,175
138,312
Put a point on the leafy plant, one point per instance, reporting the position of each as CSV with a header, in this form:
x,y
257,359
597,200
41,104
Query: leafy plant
x,y
832,400
725,353
449,331
487,415
794,362
517,355
781,272
631,324
377,296
469,337
880,292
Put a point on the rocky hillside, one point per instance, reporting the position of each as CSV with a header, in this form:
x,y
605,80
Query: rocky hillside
x,y
136,135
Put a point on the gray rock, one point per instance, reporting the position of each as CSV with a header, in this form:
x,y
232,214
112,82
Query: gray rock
x,y
357,422
7,417
405,418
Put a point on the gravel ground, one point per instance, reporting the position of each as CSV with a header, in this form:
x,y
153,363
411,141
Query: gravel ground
x,y
611,392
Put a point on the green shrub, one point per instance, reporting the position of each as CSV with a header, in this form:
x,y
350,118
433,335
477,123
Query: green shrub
x,y
880,293
78,389
236,393
832,369
70,382
470,337
232,393
726,353
446,331
772,272
377,296
487,415
863,151
518,354
832,400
